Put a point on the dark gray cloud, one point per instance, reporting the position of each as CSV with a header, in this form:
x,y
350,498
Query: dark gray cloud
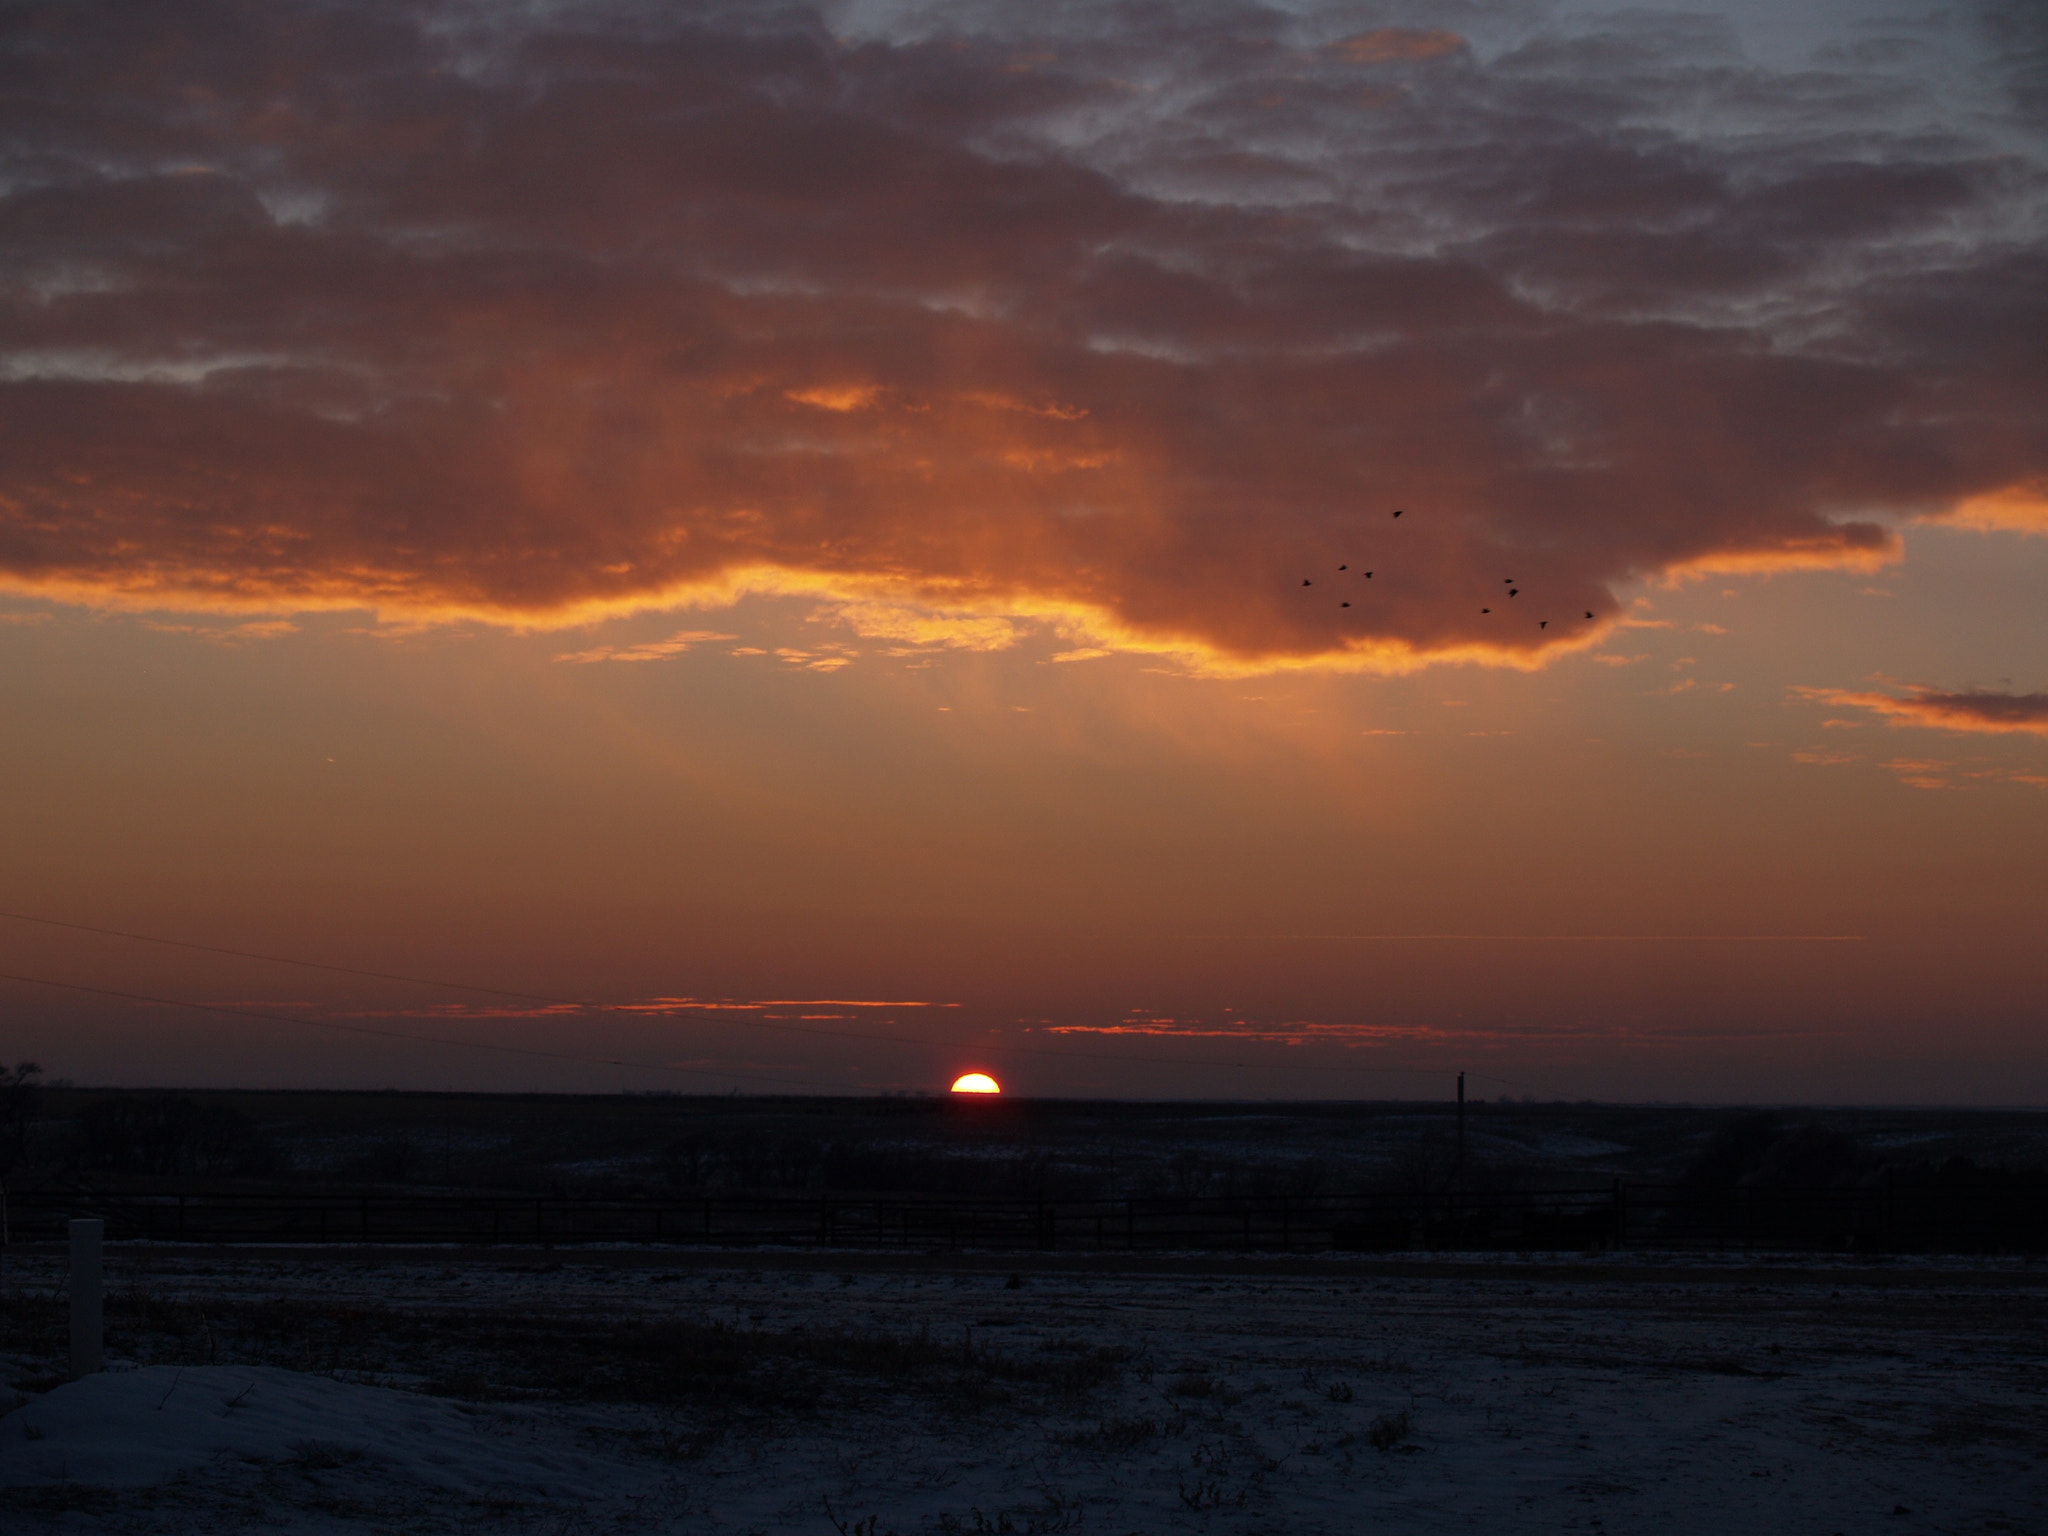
x,y
1138,312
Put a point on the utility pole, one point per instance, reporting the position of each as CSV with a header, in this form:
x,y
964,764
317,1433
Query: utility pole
x,y
1461,1125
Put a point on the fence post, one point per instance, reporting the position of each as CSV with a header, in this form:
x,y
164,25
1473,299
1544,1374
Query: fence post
x,y
87,1319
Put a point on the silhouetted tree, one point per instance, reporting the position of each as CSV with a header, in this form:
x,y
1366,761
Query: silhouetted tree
x,y
169,1136
389,1162
20,1096
1758,1151
1732,1151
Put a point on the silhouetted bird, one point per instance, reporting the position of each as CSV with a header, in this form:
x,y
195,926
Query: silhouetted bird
x,y
1514,591
1368,575
1397,514
1347,605
1589,613
1304,581
1343,567
1486,610
1543,623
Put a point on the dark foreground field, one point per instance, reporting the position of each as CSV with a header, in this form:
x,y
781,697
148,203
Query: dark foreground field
x,y
642,1143
836,1377
963,1175
634,1390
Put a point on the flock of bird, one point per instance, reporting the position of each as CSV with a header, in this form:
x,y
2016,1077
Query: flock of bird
x,y
1506,581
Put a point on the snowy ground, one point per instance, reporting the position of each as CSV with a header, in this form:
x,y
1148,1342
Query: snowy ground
x,y
630,1392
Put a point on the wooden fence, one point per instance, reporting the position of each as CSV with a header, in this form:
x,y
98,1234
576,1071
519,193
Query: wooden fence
x,y
1921,1218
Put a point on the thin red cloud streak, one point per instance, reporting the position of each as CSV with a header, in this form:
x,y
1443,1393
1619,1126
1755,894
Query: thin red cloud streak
x,y
542,315
1302,1032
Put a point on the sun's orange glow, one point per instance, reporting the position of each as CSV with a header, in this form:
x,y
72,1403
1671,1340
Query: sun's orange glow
x,y
1528,567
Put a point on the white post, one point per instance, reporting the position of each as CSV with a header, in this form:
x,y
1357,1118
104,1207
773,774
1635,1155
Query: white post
x,y
87,1352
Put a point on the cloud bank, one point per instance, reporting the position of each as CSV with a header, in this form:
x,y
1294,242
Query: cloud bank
x,y
1139,322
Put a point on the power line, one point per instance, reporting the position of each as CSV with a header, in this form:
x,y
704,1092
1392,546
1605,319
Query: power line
x,y
311,965
1538,938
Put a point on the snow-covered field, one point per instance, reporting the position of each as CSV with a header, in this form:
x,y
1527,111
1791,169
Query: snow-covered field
x,y
763,1394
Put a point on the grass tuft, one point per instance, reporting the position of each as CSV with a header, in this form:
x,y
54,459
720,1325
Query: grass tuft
x,y
1390,1431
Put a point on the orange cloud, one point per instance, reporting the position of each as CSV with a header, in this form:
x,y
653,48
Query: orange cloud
x,y
955,629
1859,547
228,634
2014,508
1920,773
1936,709
1404,43
835,397
652,650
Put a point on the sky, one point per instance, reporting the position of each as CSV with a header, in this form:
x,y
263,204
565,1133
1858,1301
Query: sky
x,y
1224,549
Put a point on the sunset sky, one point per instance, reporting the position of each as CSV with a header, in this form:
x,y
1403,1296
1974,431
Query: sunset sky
x,y
828,546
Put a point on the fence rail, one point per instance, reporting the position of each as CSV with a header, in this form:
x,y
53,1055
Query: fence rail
x,y
1924,1219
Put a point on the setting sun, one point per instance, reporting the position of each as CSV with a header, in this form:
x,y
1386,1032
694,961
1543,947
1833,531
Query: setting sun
x,y
976,1082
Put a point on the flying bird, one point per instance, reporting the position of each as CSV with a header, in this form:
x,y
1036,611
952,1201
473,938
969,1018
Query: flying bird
x,y
1305,581
1543,623
1589,613
1347,605
1343,567
1514,591
1486,610
1368,575
1397,514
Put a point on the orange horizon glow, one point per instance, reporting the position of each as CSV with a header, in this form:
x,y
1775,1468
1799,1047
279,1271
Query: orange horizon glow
x,y
1371,551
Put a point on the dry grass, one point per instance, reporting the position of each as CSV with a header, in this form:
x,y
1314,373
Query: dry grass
x,y
1390,1431
499,1354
